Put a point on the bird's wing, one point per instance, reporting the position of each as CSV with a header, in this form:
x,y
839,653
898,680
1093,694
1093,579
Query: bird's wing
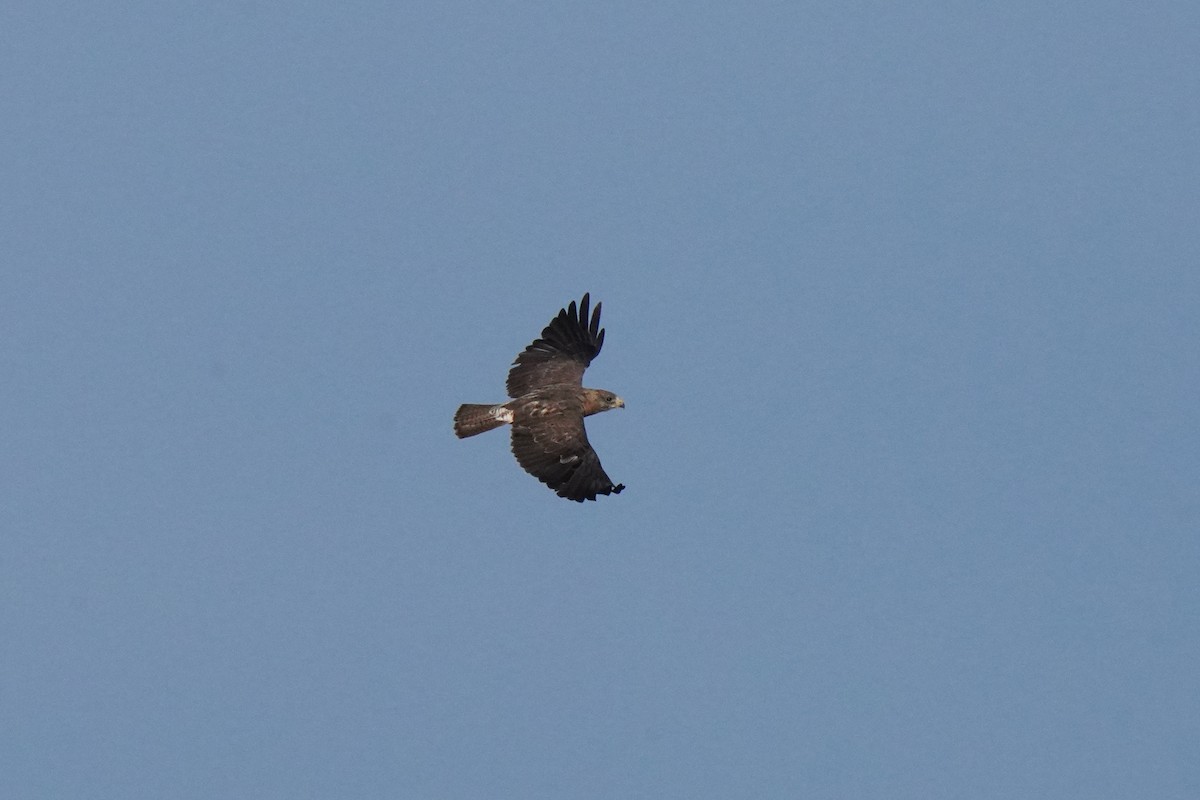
x,y
555,449
564,350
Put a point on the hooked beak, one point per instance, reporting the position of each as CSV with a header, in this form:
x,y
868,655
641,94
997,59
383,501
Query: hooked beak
x,y
620,403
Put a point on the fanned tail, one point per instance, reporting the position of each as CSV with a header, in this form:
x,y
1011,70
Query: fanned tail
x,y
474,418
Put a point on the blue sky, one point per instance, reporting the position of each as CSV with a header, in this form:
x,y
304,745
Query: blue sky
x,y
903,300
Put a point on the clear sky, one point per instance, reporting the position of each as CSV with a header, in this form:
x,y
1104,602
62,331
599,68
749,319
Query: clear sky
x,y
904,300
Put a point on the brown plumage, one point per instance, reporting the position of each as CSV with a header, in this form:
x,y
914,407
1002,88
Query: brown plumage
x,y
548,405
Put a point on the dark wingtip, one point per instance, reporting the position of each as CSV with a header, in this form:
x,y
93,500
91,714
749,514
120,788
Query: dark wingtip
x,y
592,496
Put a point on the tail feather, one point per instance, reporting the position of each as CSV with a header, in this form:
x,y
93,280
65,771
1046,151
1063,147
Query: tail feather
x,y
474,418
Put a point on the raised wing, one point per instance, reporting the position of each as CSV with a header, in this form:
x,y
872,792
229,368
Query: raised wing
x,y
567,345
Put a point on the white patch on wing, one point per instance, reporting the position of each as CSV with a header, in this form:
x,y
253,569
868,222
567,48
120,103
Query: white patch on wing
x,y
567,459
503,414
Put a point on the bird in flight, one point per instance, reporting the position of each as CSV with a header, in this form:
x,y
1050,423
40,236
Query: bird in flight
x,y
548,405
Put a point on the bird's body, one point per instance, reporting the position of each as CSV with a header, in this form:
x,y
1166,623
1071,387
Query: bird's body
x,y
548,405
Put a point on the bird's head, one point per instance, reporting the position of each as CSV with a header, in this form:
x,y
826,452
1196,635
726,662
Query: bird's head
x,y
597,400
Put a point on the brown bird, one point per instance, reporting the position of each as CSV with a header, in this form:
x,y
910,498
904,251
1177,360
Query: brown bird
x,y
548,405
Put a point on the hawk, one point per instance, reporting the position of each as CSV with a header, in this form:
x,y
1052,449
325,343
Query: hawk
x,y
548,405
